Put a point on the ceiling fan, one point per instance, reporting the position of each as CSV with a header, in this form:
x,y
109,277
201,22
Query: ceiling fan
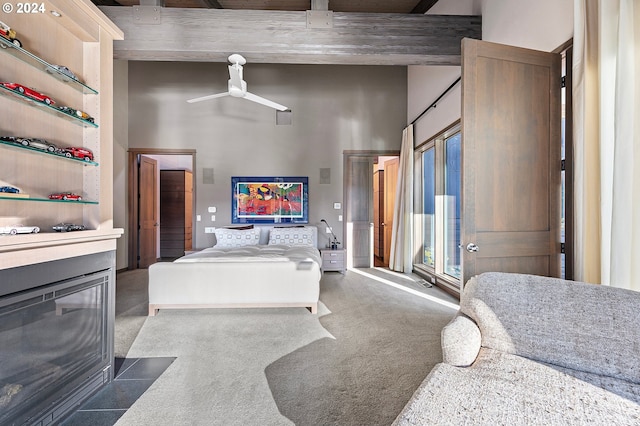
x,y
238,87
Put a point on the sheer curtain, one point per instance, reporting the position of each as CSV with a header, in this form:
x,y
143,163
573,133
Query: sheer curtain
x,y
401,257
606,90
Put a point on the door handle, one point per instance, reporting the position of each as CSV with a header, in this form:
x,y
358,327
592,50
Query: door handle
x,y
472,248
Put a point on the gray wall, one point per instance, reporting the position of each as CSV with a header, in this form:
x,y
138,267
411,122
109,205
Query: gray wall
x,y
335,108
120,146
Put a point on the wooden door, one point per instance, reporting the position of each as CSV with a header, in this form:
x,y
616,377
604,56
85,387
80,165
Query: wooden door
x,y
378,214
390,183
359,213
510,160
148,213
175,213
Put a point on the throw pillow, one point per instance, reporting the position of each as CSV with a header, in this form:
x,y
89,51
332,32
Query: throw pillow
x,y
237,237
292,236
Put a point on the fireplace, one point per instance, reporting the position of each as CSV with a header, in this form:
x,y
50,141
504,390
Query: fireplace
x,y
56,337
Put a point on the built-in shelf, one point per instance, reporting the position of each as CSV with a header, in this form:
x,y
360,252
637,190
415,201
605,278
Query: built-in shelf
x,y
45,200
48,108
51,154
25,56
54,239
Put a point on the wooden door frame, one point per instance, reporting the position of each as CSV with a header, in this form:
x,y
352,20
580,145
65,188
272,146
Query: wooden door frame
x,y
346,156
133,193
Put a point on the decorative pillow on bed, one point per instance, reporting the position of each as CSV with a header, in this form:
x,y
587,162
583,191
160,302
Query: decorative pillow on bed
x,y
239,227
292,236
237,237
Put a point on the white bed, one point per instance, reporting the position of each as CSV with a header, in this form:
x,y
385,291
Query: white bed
x,y
234,275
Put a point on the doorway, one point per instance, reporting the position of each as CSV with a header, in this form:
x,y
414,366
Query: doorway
x,y
144,201
360,225
385,178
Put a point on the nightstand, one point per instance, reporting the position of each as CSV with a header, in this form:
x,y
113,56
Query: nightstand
x,y
334,260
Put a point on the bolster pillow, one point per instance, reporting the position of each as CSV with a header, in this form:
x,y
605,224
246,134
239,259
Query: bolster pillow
x,y
461,341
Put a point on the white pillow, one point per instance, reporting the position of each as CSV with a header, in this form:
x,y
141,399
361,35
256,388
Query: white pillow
x,y
293,236
237,237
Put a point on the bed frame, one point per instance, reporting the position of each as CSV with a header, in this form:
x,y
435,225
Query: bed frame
x,y
174,285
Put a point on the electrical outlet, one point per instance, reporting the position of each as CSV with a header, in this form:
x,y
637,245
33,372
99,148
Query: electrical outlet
x,y
209,230
212,209
213,218
339,218
198,218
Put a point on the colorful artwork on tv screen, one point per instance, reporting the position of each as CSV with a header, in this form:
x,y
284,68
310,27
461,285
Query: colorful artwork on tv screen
x,y
270,199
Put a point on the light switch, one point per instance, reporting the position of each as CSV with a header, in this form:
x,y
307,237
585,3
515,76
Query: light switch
x,y
328,231
198,218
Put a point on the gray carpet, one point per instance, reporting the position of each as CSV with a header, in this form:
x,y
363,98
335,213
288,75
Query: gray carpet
x,y
356,363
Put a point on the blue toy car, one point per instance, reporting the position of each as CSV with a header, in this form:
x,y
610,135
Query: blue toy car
x,y
9,189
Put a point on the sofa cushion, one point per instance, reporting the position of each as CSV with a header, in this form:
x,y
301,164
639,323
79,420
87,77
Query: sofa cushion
x,y
580,326
505,389
460,341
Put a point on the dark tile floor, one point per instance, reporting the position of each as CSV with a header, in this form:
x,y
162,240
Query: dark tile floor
x,y
133,376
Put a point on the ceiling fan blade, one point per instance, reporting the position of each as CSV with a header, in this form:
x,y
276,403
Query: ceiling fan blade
x,y
235,75
206,98
255,98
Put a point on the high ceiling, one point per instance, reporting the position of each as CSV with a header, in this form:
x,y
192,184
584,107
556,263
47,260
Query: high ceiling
x,y
366,6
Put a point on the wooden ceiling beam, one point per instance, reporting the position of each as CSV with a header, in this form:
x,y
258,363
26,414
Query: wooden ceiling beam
x,y
210,35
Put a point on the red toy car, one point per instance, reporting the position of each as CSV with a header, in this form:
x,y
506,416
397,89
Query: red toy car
x,y
28,92
78,152
67,196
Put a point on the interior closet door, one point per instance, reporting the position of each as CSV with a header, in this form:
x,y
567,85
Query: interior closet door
x,y
359,213
511,115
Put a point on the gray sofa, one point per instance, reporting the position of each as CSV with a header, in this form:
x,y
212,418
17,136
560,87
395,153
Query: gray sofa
x,y
530,350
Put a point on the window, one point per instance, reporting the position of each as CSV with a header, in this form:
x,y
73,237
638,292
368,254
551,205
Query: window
x,y
429,206
438,197
452,173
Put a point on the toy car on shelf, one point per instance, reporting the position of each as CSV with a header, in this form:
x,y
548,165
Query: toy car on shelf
x,y
37,143
67,227
12,139
30,93
9,34
64,71
9,190
77,113
19,229
77,152
66,196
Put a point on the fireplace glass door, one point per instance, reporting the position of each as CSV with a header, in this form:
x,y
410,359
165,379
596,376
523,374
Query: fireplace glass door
x,y
52,339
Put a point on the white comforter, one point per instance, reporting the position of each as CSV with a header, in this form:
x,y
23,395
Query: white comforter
x,y
301,255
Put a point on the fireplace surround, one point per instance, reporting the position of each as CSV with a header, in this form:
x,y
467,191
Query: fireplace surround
x,y
56,336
